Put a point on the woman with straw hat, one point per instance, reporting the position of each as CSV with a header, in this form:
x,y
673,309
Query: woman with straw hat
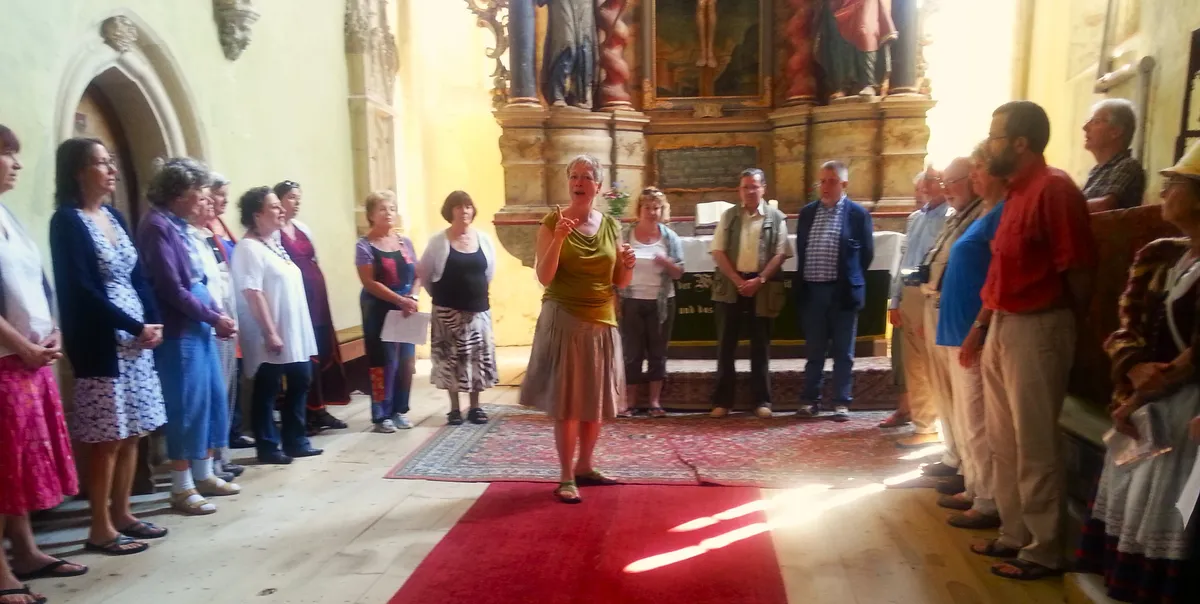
x,y
1134,513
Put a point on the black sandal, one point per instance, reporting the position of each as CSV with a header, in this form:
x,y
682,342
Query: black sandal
x,y
24,591
117,547
454,418
143,530
48,571
1026,570
992,549
477,416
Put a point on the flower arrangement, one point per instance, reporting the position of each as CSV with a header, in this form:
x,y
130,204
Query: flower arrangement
x,y
618,201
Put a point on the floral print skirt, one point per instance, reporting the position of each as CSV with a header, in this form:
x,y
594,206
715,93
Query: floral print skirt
x,y
37,469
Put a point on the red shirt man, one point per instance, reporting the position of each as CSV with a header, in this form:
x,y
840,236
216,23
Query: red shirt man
x,y
1043,233
1037,288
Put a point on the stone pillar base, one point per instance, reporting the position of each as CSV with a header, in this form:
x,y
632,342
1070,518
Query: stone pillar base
x,y
535,148
793,174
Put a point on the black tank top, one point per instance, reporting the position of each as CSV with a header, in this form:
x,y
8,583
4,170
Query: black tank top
x,y
463,285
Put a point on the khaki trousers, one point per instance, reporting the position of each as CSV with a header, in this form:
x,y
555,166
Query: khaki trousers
x,y
939,384
970,429
1025,365
916,361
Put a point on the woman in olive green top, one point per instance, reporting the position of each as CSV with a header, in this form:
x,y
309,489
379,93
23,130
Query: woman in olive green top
x,y
576,371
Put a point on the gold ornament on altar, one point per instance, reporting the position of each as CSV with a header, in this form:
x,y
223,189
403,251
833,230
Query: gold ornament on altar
x,y
493,16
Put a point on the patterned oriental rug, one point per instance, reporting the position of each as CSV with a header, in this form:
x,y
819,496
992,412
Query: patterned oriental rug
x,y
518,446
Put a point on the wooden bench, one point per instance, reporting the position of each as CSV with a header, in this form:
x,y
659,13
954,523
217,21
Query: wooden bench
x,y
353,349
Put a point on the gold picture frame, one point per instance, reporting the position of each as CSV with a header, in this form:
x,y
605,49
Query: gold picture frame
x,y
651,98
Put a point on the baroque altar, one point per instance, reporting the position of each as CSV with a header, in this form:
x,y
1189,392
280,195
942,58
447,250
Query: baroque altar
x,y
684,94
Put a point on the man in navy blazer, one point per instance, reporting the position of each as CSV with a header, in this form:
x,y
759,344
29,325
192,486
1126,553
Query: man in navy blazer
x,y
835,244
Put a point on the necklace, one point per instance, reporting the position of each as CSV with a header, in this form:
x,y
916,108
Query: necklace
x,y
274,246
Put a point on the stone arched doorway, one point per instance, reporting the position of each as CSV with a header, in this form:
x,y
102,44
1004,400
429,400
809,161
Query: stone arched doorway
x,y
123,87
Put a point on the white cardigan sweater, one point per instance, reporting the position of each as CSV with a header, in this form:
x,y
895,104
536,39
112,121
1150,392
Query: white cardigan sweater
x,y
433,261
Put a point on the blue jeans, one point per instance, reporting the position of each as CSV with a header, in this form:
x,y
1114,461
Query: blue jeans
x,y
826,322
266,390
392,383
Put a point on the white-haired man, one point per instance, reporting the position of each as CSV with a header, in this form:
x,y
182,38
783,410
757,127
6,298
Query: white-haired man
x,y
1118,180
906,309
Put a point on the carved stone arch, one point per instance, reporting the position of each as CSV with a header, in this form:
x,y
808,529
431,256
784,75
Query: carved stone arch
x,y
124,57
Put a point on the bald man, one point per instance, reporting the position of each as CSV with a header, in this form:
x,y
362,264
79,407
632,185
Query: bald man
x,y
966,206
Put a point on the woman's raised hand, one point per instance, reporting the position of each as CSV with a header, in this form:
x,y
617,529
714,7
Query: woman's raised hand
x,y
565,225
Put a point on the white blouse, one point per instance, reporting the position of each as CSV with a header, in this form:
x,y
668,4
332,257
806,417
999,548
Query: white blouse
x,y
647,279
256,267
25,303
216,271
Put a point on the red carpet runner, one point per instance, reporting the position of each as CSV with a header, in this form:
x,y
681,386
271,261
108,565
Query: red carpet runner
x,y
518,545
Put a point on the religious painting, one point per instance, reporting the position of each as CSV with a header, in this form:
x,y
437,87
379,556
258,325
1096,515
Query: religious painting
x,y
706,49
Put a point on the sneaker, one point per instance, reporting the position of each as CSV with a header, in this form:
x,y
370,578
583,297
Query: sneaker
x,y
385,427
763,412
806,411
841,413
718,412
401,421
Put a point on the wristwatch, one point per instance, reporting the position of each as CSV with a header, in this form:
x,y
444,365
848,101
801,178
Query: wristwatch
x,y
981,326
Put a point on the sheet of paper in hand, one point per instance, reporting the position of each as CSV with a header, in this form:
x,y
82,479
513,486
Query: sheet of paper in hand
x,y
413,329
1151,441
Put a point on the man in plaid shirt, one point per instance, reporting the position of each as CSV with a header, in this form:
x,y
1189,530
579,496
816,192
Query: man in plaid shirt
x,y
1118,180
834,248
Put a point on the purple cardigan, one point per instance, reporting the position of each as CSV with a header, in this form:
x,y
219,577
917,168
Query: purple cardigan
x,y
164,253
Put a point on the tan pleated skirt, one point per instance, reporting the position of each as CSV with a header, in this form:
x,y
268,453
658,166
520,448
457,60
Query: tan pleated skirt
x,y
576,368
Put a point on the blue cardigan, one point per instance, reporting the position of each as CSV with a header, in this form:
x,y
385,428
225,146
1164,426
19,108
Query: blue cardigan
x,y
856,250
89,319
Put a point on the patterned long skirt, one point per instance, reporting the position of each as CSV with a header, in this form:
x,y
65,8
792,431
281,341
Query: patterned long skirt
x,y
37,469
1135,537
462,350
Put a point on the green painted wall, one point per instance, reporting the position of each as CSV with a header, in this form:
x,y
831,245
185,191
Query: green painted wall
x,y
280,111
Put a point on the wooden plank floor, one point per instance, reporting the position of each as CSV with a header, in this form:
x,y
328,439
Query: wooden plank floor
x,y
332,530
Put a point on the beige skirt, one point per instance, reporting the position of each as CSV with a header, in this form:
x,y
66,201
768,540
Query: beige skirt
x,y
575,370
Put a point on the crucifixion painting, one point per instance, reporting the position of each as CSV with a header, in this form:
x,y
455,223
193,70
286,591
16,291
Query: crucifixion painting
x,y
706,28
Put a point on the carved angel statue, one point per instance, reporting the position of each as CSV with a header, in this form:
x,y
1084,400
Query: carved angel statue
x,y
706,26
569,60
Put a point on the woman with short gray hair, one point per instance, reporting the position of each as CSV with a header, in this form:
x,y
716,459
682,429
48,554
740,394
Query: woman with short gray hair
x,y
225,241
188,363
576,371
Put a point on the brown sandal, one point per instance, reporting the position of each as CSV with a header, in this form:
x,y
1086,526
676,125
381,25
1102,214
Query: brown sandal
x,y
657,412
993,549
1026,570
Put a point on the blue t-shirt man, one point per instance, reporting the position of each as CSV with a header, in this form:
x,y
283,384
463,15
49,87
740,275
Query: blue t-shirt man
x,y
963,279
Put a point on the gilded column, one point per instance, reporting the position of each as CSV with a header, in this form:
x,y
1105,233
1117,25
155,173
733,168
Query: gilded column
x,y
614,35
801,81
522,52
904,51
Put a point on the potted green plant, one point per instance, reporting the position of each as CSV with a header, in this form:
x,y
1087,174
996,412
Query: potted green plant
x,y
618,201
